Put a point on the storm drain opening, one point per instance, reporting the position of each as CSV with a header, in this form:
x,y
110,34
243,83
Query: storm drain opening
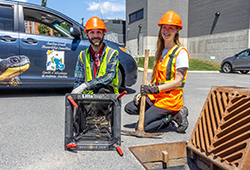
x,y
95,124
161,156
93,121
171,156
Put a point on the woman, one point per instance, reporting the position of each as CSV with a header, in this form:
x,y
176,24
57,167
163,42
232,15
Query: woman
x,y
164,100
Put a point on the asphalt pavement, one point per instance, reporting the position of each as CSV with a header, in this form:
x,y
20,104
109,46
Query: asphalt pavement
x,y
32,126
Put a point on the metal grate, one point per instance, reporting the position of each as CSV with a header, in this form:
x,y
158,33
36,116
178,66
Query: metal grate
x,y
222,131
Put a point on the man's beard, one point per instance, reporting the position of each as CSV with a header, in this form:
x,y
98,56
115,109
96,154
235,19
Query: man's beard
x,y
97,44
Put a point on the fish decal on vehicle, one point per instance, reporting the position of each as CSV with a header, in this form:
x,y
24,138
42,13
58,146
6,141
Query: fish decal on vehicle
x,y
11,67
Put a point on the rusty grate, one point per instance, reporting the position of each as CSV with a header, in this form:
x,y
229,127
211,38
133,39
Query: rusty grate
x,y
222,131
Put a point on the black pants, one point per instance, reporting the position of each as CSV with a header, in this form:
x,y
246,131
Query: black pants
x,y
155,117
104,90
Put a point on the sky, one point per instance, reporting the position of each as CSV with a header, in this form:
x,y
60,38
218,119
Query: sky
x,y
78,9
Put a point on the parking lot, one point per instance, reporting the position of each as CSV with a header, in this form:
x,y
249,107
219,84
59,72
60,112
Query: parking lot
x,y
32,126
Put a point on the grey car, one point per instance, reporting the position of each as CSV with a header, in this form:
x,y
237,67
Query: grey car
x,y
238,62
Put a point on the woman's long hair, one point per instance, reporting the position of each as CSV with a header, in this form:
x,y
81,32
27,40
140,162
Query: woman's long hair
x,y
158,53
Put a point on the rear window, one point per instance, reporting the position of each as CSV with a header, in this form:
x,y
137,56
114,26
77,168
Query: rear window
x,y
6,18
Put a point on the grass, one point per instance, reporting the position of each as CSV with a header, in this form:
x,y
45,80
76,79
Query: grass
x,y
194,64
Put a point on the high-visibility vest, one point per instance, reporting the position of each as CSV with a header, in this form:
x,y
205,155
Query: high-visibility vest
x,y
85,58
165,73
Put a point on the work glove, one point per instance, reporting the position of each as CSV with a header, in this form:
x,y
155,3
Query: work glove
x,y
137,99
79,89
148,89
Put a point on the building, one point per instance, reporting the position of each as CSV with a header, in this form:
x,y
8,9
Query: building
x,y
115,31
142,17
218,28
210,28
32,28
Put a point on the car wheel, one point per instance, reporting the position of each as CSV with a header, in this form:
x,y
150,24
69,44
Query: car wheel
x,y
120,78
226,68
244,71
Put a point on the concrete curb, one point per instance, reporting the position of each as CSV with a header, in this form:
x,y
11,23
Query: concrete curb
x,y
204,71
150,71
141,69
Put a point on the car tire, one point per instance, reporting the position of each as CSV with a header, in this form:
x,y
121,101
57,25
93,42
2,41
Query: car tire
x,y
226,68
244,71
120,78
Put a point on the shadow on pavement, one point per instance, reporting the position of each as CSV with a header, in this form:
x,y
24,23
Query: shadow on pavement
x,y
132,125
129,90
169,128
37,91
42,91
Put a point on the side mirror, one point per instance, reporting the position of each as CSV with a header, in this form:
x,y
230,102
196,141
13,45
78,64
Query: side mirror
x,y
74,32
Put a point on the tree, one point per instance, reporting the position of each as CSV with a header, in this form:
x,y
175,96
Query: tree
x,y
43,29
44,3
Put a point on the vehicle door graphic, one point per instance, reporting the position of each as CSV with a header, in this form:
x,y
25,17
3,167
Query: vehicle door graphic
x,y
52,51
11,64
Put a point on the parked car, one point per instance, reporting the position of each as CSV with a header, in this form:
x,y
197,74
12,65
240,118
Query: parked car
x,y
238,62
39,47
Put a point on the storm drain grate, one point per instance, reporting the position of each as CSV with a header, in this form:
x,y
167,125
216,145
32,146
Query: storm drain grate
x,y
222,131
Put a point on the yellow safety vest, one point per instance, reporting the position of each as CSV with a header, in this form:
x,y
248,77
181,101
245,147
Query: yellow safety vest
x,y
165,73
85,58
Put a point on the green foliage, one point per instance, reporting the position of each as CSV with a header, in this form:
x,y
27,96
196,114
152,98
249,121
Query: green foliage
x,y
203,65
65,25
194,64
55,33
44,3
43,29
150,62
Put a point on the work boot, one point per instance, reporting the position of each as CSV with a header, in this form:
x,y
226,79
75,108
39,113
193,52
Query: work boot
x,y
181,119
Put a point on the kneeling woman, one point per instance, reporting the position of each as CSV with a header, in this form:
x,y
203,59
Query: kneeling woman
x,y
164,101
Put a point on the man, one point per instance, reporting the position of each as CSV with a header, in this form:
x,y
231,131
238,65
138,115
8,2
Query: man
x,y
96,72
97,67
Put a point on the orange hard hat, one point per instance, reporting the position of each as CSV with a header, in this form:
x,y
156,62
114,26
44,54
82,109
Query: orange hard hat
x,y
171,18
94,23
